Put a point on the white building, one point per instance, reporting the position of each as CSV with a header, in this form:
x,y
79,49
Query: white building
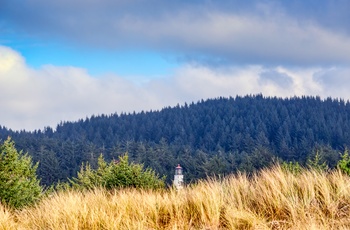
x,y
178,178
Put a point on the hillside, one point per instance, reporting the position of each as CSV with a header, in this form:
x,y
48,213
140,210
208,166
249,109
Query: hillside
x,y
215,136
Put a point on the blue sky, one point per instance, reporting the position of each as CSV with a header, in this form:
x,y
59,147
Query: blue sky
x,y
65,60
127,62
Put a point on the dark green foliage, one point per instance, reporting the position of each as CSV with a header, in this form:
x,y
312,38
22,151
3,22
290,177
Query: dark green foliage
x,y
344,163
215,136
19,185
117,174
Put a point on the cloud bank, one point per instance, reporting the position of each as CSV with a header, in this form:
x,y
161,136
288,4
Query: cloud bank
x,y
35,98
234,32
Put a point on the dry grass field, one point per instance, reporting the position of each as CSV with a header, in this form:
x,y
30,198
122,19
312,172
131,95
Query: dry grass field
x,y
270,199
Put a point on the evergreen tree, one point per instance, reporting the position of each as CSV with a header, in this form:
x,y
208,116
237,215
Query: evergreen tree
x,y
19,185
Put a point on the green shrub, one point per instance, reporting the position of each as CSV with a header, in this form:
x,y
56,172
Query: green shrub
x,y
117,174
316,163
292,167
19,185
344,163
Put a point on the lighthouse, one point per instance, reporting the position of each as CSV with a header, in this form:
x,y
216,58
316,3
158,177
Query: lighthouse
x,y
178,178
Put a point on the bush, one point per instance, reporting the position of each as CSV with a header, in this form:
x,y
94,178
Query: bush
x,y
117,174
19,185
344,163
317,164
292,167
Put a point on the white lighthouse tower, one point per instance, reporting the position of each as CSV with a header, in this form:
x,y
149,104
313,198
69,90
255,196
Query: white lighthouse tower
x,y
178,178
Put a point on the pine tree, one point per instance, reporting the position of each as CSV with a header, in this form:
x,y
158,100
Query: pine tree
x,y
19,185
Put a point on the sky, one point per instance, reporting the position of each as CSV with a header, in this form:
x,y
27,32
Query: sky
x,y
70,59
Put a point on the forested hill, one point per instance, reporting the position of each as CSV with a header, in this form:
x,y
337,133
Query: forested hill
x,y
216,136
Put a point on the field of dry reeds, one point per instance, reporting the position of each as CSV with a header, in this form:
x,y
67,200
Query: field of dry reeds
x,y
269,199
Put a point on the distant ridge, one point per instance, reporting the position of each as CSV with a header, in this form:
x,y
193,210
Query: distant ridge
x,y
219,136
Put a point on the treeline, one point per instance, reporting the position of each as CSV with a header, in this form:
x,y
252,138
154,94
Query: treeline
x,y
215,136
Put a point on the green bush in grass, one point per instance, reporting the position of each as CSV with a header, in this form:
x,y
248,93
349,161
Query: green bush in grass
x,y
117,174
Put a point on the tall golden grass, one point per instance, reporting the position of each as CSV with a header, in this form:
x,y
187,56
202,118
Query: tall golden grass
x,y
269,199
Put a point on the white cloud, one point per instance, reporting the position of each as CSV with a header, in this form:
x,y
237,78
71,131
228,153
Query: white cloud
x,y
34,98
205,82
